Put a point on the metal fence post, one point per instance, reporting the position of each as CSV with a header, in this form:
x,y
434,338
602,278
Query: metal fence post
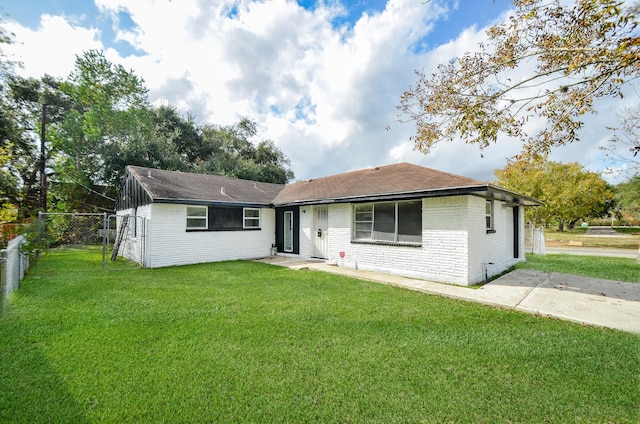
x,y
105,239
23,261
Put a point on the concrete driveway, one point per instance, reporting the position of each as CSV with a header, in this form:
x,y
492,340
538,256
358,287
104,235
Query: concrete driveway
x,y
605,303
592,301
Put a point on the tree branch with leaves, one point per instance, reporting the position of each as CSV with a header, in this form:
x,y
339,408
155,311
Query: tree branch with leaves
x,y
626,136
567,57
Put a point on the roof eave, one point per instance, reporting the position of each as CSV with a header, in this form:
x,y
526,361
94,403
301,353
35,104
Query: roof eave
x,y
439,192
511,196
204,202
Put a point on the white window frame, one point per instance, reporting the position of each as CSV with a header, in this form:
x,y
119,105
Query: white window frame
x,y
191,217
359,220
250,222
489,215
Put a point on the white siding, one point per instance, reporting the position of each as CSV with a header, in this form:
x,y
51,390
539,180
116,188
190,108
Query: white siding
x,y
170,244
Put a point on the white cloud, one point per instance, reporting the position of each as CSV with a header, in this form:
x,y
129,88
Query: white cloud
x,y
324,94
52,48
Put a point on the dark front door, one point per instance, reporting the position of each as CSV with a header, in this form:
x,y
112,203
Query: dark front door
x,y
288,229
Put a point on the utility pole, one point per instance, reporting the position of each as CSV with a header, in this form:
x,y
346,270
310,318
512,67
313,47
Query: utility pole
x,y
43,159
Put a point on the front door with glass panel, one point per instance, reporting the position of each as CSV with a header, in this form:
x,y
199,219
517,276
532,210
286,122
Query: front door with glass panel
x,y
288,231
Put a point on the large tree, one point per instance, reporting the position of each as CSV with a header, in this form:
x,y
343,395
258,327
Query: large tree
x,y
178,143
569,191
628,200
109,108
6,63
549,59
36,106
109,111
160,145
235,154
8,131
96,122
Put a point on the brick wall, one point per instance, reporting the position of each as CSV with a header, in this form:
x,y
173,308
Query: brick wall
x,y
442,256
456,247
492,253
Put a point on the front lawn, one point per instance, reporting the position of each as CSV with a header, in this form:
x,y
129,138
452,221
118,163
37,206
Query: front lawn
x,y
249,342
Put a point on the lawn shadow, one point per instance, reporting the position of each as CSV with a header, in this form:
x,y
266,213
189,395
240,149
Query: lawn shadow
x,y
25,371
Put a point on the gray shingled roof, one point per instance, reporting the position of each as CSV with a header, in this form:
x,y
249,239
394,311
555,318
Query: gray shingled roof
x,y
164,186
378,182
402,180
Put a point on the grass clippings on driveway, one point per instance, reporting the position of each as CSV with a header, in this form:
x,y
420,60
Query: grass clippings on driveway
x,y
249,342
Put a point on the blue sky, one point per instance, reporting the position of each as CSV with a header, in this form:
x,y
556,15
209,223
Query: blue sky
x,y
321,79
465,14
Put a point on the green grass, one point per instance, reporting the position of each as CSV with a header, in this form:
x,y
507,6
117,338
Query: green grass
x,y
609,268
628,230
248,342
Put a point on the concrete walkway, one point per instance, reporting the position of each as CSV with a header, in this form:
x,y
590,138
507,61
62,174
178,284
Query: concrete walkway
x,y
593,301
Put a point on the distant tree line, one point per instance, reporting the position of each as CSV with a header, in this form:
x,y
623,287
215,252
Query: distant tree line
x,y
570,193
64,143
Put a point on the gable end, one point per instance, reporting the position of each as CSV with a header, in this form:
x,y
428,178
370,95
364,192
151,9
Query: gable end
x,y
132,194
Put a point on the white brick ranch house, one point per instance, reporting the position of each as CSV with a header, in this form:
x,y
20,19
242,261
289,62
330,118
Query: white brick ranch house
x,y
402,219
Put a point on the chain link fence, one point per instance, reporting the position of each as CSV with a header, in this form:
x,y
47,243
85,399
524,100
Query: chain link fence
x,y
13,265
125,241
117,241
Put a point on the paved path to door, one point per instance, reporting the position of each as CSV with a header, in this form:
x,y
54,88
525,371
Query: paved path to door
x,y
593,301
